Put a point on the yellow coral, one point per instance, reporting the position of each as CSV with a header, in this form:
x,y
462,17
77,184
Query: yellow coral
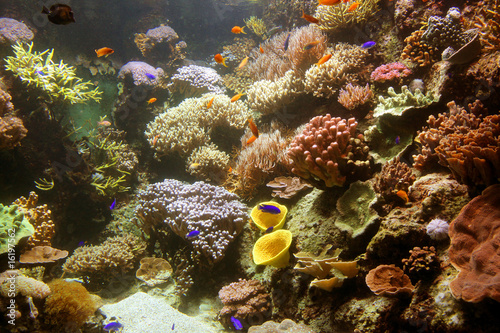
x,y
265,220
257,25
332,18
272,249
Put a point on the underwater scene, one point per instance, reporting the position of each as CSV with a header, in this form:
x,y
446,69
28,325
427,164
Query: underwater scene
x,y
203,166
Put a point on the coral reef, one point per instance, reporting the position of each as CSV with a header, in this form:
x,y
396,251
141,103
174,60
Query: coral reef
x,y
58,81
286,325
13,227
215,213
423,262
246,300
40,217
394,71
287,187
345,66
257,26
208,163
193,81
466,143
161,43
474,235
329,150
100,262
273,249
13,31
137,73
41,255
418,51
355,97
334,18
12,130
69,305
396,104
154,271
437,229
389,280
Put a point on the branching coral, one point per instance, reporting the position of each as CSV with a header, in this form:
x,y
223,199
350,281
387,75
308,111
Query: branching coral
x,y
40,218
488,21
345,65
422,262
418,51
329,150
58,81
333,18
395,176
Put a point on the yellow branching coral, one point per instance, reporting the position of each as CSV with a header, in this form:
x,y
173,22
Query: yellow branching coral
x,y
257,25
332,18
59,81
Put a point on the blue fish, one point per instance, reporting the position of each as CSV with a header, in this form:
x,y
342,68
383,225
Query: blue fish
x,y
82,243
269,209
150,76
236,323
397,140
368,45
39,72
173,326
113,326
270,229
113,205
192,233
287,40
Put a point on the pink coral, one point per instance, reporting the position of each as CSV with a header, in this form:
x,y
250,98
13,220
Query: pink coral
x,y
391,71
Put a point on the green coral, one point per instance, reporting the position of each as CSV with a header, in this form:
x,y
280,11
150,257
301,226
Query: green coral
x,y
396,104
13,227
59,81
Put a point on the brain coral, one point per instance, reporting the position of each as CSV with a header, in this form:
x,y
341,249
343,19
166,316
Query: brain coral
x,y
475,239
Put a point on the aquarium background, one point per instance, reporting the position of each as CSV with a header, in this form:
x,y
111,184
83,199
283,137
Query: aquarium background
x,y
249,165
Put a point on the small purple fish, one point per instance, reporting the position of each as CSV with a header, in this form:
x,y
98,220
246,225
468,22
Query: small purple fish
x,y
113,205
113,326
82,243
192,234
173,326
269,209
39,72
150,76
270,229
287,40
397,140
368,45
236,323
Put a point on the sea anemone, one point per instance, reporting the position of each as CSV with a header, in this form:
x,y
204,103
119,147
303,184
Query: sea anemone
x,y
437,229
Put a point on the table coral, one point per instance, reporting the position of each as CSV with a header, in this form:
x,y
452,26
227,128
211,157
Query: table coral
x,y
473,251
334,18
329,150
193,81
12,31
389,280
246,300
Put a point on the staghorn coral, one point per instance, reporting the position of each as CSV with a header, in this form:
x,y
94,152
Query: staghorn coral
x,y
390,72
154,271
345,66
208,163
214,212
193,81
422,262
40,218
58,81
396,104
258,162
354,96
195,122
268,96
474,248
100,262
274,62
287,187
466,143
12,31
334,18
418,51
246,300
41,255
328,151
389,280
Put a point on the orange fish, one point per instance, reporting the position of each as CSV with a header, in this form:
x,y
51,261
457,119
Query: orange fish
x,y
152,100
236,97
253,128
309,18
261,49
252,139
243,63
104,123
155,139
329,2
238,30
324,59
353,6
402,194
230,170
210,102
218,59
104,51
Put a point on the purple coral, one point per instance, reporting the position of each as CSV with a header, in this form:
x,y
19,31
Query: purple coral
x,y
163,33
141,73
195,80
391,71
12,31
437,229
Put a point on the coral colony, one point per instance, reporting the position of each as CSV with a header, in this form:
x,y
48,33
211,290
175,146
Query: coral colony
x,y
251,168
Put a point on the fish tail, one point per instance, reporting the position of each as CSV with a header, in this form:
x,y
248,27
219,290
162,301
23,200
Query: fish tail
x,y
243,31
224,62
45,10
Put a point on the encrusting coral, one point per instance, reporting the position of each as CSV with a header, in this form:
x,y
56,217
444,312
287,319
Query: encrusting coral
x,y
245,300
396,104
333,18
14,226
328,150
58,81
41,255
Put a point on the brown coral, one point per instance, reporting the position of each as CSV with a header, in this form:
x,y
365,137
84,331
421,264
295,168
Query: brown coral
x,y
422,262
12,130
244,300
389,280
287,187
40,218
418,51
395,176
154,271
42,254
475,235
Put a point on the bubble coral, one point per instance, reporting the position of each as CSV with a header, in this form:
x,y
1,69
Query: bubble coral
x,y
437,229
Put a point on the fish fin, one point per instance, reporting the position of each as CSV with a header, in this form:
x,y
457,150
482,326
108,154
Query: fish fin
x,y
45,10
224,62
243,31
